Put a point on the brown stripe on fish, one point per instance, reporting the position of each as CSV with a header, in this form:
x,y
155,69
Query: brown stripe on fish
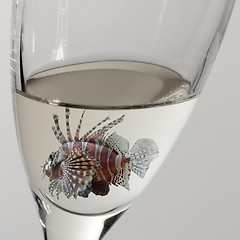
x,y
100,176
108,159
97,175
93,151
69,135
109,163
118,162
76,138
56,134
102,159
60,134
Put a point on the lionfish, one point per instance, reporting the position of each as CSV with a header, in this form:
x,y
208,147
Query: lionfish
x,y
96,160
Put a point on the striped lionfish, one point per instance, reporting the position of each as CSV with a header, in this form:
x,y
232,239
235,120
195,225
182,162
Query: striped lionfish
x,y
96,160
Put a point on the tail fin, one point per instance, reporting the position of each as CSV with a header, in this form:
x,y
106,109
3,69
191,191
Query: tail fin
x,y
142,154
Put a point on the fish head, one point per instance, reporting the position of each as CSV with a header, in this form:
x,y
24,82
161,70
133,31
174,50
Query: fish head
x,y
52,161
48,166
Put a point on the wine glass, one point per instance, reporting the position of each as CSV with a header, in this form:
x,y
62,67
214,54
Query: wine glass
x,y
101,91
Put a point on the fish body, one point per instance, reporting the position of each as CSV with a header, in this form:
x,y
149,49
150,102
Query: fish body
x,y
110,161
92,163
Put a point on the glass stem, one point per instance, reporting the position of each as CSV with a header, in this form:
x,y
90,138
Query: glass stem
x,y
59,224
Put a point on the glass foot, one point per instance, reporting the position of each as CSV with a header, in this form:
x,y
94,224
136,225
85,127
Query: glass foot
x,y
60,224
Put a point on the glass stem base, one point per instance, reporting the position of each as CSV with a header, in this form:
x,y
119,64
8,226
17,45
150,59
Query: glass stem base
x,y
59,224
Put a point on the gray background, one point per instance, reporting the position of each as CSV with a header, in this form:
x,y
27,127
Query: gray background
x,y
195,195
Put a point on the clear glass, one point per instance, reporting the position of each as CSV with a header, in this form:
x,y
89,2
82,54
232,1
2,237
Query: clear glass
x,y
101,91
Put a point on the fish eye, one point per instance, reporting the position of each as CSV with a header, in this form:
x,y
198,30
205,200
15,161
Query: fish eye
x,y
52,156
